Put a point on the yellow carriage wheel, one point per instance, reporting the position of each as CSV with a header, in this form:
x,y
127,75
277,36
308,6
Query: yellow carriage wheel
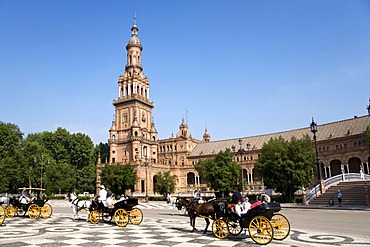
x,y
46,211
94,217
34,211
234,227
220,228
2,215
10,211
136,216
121,217
281,226
260,230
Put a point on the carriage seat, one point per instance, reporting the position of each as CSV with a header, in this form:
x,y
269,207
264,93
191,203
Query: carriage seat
x,y
231,207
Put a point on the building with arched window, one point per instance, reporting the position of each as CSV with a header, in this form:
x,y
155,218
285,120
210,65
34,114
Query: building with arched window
x,y
133,139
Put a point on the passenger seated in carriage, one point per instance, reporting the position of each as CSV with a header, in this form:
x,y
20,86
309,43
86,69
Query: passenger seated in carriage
x,y
122,198
110,201
24,198
239,209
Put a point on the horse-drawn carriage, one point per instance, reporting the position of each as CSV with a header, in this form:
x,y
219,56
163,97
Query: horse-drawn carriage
x,y
122,212
263,221
2,213
35,207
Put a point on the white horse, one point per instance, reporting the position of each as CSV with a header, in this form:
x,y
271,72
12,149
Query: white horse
x,y
77,205
173,202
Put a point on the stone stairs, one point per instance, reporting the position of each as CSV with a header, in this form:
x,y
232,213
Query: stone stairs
x,y
353,194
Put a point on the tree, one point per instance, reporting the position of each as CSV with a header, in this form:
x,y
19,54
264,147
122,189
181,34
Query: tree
x,y
118,178
220,172
11,157
59,177
286,166
85,179
103,149
165,183
81,150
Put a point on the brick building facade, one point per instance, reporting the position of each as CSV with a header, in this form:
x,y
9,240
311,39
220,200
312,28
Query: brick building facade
x,y
133,139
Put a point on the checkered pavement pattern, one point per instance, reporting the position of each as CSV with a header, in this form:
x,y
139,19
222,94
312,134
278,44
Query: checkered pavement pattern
x,y
149,205
61,230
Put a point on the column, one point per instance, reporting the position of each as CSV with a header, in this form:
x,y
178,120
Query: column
x,y
129,89
251,174
119,91
147,93
367,166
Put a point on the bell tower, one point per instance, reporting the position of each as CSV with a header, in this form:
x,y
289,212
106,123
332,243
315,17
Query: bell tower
x,y
133,136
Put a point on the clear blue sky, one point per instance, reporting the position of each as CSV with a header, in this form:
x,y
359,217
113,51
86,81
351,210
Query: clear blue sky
x,y
241,68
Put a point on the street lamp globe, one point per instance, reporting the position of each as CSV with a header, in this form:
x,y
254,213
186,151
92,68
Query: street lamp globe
x,y
313,127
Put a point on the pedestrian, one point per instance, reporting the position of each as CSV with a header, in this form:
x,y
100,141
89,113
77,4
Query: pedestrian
x,y
339,196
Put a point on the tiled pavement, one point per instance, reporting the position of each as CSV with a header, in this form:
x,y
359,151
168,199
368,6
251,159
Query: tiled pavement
x,y
61,230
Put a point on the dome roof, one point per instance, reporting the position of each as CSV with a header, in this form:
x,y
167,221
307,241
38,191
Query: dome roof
x,y
134,40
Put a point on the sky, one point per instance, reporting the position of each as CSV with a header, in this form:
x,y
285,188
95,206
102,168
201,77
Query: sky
x,y
238,68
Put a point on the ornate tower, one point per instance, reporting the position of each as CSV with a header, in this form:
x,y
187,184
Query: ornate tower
x,y
133,136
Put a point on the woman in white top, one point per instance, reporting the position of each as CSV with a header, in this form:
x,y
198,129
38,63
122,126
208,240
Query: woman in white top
x,y
246,204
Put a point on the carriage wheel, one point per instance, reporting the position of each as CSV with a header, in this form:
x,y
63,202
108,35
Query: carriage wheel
x,y
46,211
260,230
34,211
220,229
136,216
234,227
10,211
2,215
121,217
106,216
94,217
281,226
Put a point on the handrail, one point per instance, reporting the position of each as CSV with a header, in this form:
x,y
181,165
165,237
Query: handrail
x,y
315,192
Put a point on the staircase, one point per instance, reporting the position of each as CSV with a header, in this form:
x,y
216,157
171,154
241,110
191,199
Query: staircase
x,y
353,194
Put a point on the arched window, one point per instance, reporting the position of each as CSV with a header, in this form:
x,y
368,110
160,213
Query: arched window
x,y
190,178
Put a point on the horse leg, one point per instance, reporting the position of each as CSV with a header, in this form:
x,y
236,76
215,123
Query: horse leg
x,y
207,224
194,229
74,212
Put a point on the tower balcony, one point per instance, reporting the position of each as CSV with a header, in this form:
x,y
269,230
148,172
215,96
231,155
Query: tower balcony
x,y
131,139
133,97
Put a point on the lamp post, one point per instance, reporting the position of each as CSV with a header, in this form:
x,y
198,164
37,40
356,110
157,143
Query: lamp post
x,y
313,126
241,151
146,165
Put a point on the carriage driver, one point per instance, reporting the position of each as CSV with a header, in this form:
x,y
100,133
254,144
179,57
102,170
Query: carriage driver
x,y
102,194
24,198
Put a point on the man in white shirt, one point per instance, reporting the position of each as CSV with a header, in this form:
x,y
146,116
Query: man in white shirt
x,y
239,209
102,194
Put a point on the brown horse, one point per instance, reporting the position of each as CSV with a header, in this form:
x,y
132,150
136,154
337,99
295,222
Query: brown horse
x,y
195,209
